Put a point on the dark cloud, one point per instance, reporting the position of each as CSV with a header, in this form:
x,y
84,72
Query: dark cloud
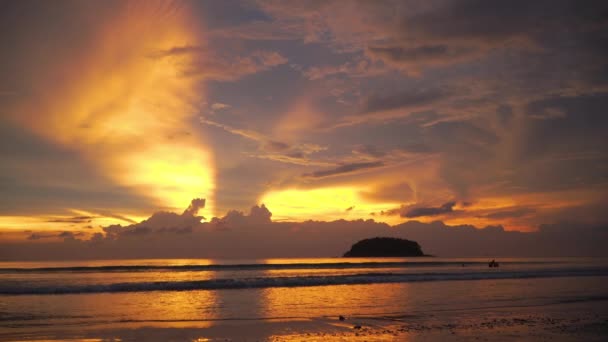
x,y
369,151
65,235
256,236
411,54
257,215
462,31
161,222
567,228
505,113
74,219
411,98
276,146
168,224
69,235
210,64
141,230
484,21
38,236
195,205
415,148
178,50
430,211
468,152
229,68
565,151
503,214
424,55
343,169
296,155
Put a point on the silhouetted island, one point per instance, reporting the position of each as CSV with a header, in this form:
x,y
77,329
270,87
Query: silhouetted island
x,y
385,247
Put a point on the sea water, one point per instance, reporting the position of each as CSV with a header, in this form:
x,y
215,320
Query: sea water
x,y
73,295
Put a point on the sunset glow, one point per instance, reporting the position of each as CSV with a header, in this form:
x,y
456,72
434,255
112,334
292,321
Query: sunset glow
x,y
125,107
326,204
170,118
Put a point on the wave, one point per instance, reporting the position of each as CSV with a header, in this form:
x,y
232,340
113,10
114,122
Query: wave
x,y
278,266
296,281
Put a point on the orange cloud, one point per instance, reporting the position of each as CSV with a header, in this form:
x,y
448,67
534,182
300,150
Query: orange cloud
x,y
127,112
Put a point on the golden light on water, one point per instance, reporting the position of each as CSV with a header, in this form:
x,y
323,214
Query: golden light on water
x,y
126,107
330,203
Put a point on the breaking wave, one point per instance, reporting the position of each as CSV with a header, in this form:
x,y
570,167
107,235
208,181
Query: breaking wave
x,y
295,281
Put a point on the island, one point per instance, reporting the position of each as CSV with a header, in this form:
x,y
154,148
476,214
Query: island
x,y
385,247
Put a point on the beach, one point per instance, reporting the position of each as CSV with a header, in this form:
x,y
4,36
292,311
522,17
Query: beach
x,y
565,322
430,300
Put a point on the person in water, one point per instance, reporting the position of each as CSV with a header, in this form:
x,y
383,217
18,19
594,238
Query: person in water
x,y
493,263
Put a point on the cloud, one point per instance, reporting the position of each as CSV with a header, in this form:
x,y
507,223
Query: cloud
x,y
294,158
188,222
273,149
343,169
38,236
69,235
236,235
429,211
277,146
219,106
412,59
65,236
368,151
258,30
260,214
161,222
519,212
503,100
418,53
234,218
413,37
319,72
248,134
211,66
73,219
549,113
115,106
194,207
411,98
358,68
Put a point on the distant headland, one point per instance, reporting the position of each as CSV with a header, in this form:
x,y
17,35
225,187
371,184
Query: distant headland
x,y
385,247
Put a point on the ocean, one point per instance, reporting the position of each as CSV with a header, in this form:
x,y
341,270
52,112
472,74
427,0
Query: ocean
x,y
95,299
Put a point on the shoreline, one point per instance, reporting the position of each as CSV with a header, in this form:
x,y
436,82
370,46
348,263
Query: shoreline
x,y
574,321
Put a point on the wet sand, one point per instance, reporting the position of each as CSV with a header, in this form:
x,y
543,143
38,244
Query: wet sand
x,y
578,321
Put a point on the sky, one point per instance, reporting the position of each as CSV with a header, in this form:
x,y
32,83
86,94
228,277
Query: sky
x,y
443,114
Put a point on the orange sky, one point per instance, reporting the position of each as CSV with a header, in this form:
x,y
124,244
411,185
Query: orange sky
x,y
390,112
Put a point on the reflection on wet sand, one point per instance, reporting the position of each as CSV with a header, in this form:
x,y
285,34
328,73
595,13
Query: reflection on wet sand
x,y
560,322
333,301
